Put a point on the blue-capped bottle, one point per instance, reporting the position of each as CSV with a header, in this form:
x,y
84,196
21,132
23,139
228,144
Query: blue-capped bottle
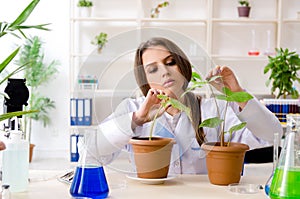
x,y
89,179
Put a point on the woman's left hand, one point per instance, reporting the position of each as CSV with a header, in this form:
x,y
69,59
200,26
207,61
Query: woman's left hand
x,y
228,79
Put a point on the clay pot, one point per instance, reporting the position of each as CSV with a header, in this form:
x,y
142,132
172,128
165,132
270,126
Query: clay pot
x,y
152,157
244,11
224,164
31,146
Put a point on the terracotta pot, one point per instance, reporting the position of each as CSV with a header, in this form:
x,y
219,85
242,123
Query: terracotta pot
x,y
31,146
244,11
152,157
224,164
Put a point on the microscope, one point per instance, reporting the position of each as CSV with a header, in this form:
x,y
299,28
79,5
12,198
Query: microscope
x,y
18,94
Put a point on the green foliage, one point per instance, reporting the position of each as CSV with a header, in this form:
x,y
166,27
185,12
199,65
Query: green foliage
x,y
37,74
43,104
165,103
284,69
227,96
155,11
16,29
100,39
244,3
84,3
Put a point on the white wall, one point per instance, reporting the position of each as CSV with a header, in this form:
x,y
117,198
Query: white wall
x,y
54,139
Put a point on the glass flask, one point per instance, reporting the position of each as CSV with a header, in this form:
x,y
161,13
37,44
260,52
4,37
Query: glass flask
x,y
89,179
285,183
275,160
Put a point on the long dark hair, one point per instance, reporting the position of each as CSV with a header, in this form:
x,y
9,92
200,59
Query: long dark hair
x,y
185,67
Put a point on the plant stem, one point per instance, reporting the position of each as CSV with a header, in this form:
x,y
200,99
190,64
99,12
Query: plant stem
x,y
213,95
223,126
153,122
221,134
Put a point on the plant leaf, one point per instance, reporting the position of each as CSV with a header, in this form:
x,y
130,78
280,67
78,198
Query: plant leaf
x,y
211,122
24,15
168,101
8,59
234,96
15,114
237,127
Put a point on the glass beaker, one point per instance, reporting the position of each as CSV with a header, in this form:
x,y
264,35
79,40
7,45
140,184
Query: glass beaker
x,y
285,183
89,178
275,160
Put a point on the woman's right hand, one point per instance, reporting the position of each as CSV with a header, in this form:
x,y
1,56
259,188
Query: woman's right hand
x,y
149,107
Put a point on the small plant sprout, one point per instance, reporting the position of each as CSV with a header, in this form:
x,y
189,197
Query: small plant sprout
x,y
228,96
244,3
84,3
155,11
100,40
166,102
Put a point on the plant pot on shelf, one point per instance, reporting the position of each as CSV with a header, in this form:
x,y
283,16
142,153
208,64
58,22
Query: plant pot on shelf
x,y
244,11
152,157
31,146
224,164
85,11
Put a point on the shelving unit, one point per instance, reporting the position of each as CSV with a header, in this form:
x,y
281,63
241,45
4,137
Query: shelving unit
x,y
212,25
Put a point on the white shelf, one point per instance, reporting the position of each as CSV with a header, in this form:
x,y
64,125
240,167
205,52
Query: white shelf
x,y
84,127
175,20
93,19
240,58
106,93
244,20
291,21
224,37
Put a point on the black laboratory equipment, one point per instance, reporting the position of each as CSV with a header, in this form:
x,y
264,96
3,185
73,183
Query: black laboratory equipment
x,y
18,94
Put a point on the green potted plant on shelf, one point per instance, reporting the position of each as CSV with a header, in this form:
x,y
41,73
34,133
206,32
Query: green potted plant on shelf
x,y
284,68
224,160
100,40
85,7
37,74
153,154
155,11
16,29
244,8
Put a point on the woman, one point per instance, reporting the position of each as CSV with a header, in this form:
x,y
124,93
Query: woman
x,y
162,68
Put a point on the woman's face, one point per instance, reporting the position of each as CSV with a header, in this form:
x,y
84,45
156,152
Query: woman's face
x,y
162,71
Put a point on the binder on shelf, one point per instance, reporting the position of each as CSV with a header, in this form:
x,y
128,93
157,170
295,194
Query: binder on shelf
x,y
74,154
73,111
80,111
76,142
87,112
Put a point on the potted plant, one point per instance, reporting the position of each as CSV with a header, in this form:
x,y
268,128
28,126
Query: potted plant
x,y
244,8
17,26
100,40
155,11
284,67
224,160
85,8
37,74
152,155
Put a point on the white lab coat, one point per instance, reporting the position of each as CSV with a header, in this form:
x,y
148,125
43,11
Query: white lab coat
x,y
115,132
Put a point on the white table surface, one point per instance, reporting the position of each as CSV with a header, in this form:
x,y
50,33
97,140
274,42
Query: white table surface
x,y
44,184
